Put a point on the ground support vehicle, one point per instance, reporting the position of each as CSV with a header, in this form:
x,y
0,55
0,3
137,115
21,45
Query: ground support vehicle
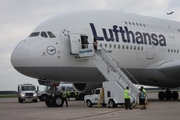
x,y
111,94
27,92
68,87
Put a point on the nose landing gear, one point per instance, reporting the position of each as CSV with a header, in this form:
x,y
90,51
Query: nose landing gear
x,y
54,99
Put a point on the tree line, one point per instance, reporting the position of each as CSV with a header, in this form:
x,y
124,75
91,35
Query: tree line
x,y
8,92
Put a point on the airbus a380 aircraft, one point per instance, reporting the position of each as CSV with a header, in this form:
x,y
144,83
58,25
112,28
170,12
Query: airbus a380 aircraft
x,y
149,48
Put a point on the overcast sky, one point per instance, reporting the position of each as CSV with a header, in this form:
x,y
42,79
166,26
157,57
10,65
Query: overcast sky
x,y
18,18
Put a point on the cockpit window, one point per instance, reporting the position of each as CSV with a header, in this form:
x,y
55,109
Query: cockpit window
x,y
43,34
34,34
51,35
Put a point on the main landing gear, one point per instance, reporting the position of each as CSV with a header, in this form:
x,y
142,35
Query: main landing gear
x,y
168,95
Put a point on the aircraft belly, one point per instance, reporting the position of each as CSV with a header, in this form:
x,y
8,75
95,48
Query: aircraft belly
x,y
150,77
64,74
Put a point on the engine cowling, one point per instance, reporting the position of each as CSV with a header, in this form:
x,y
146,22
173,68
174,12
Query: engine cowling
x,y
86,87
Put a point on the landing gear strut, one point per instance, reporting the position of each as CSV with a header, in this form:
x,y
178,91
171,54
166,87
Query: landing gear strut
x,y
168,95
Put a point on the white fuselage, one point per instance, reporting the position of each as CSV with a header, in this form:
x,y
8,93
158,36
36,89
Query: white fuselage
x,y
142,45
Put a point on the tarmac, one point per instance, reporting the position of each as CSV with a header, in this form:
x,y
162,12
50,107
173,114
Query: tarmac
x,y
10,109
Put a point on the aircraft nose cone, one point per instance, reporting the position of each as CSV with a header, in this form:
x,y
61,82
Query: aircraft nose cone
x,y
19,56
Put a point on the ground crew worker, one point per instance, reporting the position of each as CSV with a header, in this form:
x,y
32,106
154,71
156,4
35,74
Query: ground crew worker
x,y
144,94
127,99
142,99
68,95
64,96
75,94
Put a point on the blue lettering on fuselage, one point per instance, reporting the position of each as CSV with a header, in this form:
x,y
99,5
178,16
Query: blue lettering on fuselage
x,y
128,36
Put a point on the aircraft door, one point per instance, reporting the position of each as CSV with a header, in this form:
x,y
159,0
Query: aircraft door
x,y
75,43
150,52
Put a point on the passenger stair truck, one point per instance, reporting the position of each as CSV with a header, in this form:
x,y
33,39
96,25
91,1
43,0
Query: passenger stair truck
x,y
27,92
117,81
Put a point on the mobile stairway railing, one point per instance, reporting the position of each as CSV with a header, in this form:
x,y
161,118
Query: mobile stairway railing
x,y
112,72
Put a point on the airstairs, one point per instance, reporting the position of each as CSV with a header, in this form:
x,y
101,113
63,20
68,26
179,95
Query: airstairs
x,y
103,61
112,72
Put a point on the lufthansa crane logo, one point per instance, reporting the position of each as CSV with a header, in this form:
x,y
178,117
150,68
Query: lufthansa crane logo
x,y
51,50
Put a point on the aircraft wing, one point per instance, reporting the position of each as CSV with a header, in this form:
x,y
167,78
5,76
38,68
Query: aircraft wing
x,y
171,69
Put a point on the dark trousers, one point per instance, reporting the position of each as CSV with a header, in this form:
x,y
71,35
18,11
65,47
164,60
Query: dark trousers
x,y
127,104
64,99
95,47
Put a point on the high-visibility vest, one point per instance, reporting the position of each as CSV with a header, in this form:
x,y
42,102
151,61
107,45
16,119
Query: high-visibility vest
x,y
126,94
68,93
64,95
144,90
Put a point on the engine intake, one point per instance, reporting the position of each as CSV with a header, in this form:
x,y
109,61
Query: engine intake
x,y
86,87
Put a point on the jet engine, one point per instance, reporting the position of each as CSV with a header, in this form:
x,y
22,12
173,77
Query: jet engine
x,y
86,88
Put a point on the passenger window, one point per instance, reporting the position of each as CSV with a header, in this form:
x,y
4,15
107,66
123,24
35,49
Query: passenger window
x,y
127,47
105,45
123,47
168,50
43,34
131,47
110,45
114,45
101,45
138,48
119,46
51,35
34,34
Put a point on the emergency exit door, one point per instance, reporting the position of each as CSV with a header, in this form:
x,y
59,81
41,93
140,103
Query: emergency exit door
x,y
150,52
75,43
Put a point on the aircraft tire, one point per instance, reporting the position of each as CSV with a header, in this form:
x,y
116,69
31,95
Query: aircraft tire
x,y
175,95
57,101
48,101
168,95
161,95
42,97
